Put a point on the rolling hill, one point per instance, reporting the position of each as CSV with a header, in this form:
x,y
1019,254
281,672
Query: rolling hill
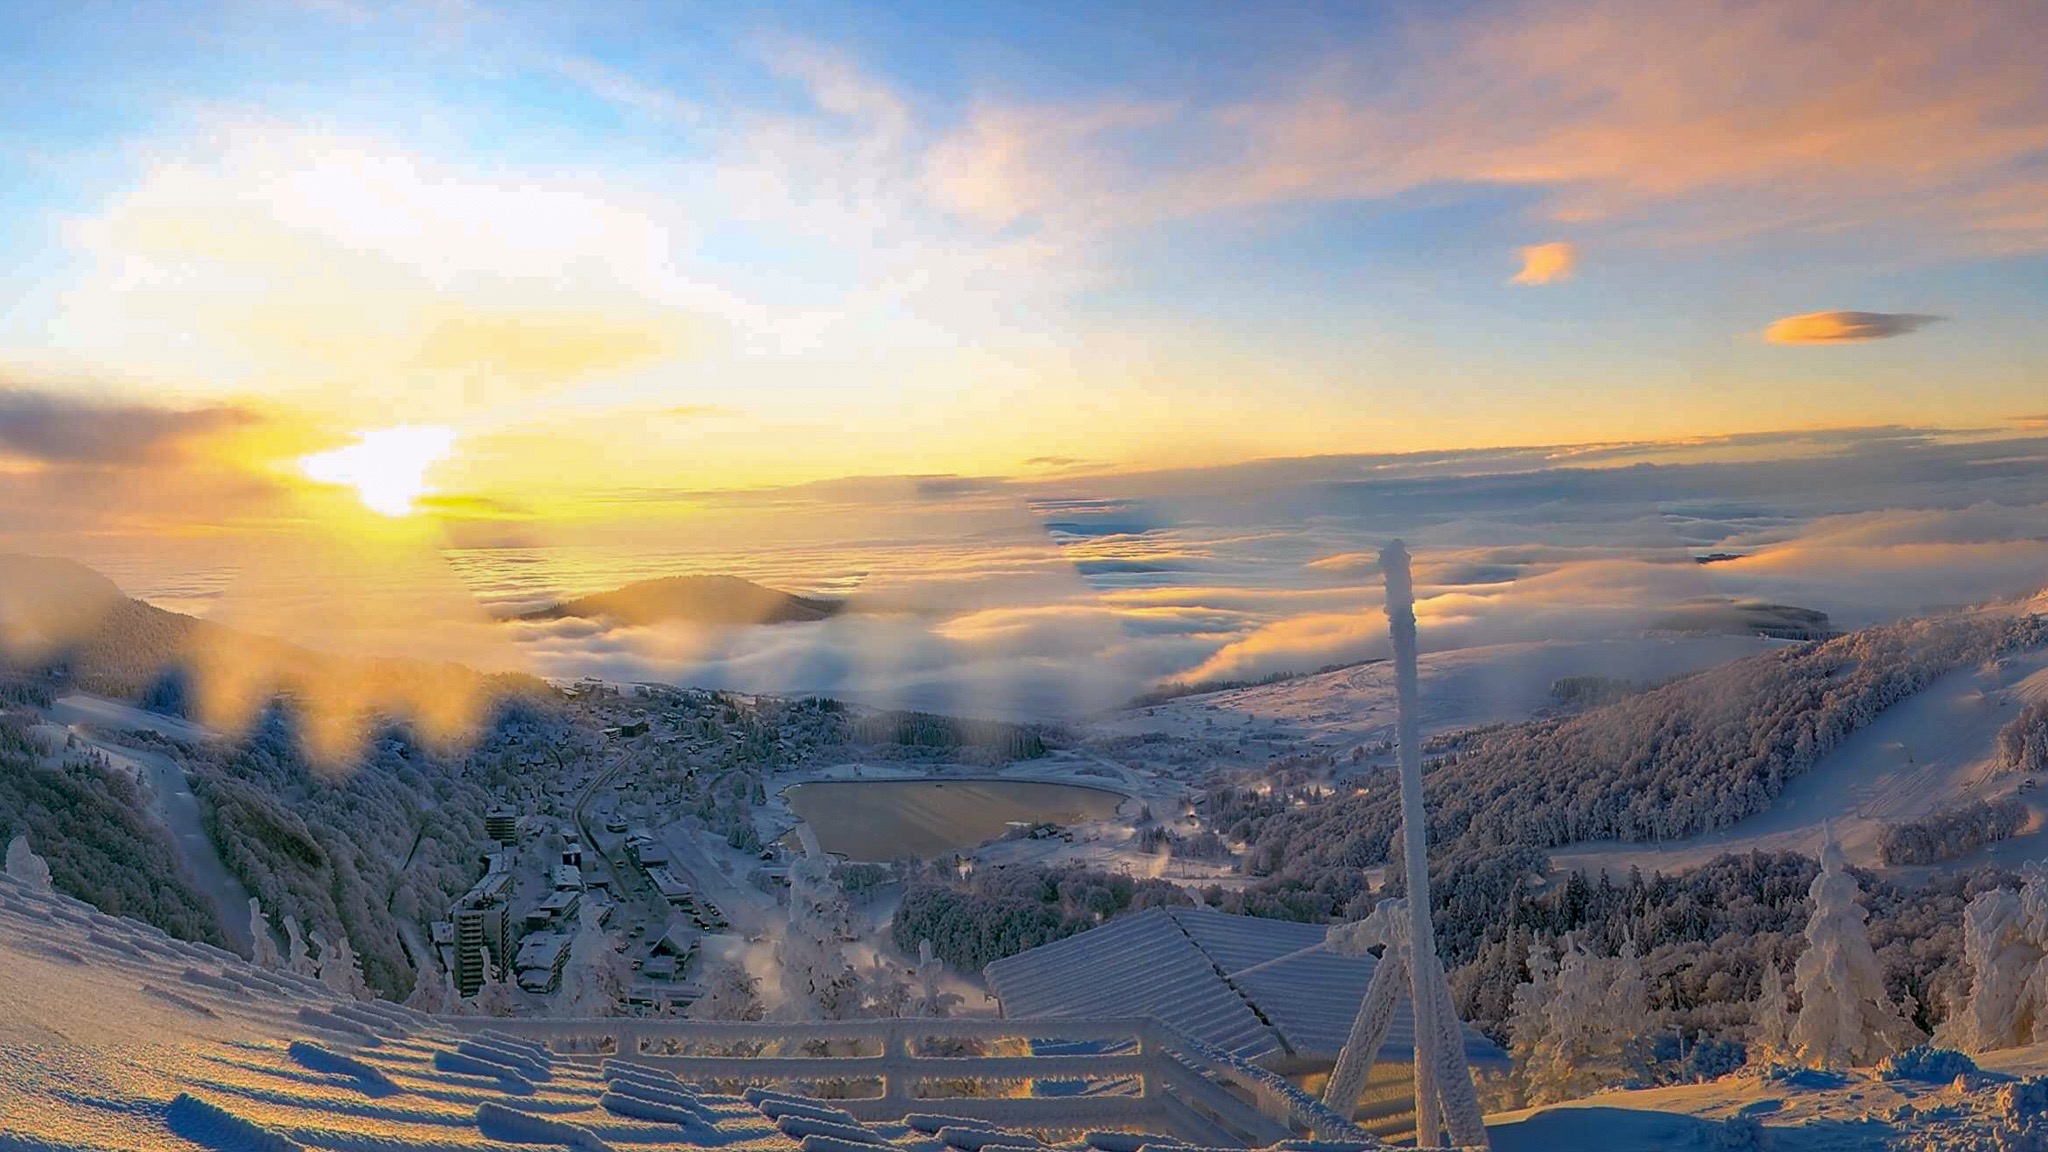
x,y
694,600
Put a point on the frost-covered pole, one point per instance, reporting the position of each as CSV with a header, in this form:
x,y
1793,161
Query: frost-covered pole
x,y
1441,1075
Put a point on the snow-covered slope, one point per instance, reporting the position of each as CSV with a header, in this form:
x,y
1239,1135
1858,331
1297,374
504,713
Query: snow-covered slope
x,y
1929,752
116,1037
2002,1107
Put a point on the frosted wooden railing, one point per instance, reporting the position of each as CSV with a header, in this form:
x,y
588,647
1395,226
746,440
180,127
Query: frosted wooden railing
x,y
1198,1092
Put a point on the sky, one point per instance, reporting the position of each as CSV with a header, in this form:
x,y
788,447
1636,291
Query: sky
x,y
644,279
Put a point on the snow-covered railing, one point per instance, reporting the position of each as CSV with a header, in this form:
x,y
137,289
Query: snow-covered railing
x,y
1132,1072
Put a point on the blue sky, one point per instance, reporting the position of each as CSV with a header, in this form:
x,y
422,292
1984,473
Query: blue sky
x,y
963,237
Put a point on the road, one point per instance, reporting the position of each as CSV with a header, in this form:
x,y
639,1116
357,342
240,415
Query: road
x,y
622,877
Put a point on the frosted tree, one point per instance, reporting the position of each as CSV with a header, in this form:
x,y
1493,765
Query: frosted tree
x,y
884,992
1846,1018
2005,944
262,948
1772,1039
594,983
495,998
730,993
24,865
339,968
928,996
815,975
1579,1024
299,961
1529,1013
432,992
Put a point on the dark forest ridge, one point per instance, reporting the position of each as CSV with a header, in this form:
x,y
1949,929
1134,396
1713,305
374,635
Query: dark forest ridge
x,y
693,599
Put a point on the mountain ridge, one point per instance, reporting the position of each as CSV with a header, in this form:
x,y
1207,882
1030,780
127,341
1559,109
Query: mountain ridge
x,y
719,599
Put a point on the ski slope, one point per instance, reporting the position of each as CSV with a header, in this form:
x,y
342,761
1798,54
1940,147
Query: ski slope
x,y
89,718
1931,751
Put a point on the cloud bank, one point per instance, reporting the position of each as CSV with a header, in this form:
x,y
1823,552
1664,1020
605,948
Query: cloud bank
x,y
1060,596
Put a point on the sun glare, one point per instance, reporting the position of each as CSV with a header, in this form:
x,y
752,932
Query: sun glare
x,y
387,467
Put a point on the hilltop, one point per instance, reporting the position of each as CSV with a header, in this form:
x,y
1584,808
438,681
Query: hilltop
x,y
694,600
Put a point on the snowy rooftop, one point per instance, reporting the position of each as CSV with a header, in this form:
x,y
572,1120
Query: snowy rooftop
x,y
129,1039
1253,987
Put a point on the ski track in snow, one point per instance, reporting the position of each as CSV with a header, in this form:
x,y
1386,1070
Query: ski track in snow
x,y
1932,750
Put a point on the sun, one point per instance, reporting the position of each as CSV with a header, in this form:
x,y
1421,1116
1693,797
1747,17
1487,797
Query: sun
x,y
387,466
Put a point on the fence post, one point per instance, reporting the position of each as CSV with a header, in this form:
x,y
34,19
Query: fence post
x,y
895,1064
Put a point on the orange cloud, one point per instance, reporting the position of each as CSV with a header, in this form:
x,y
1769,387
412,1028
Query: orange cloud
x,y
1700,121
1845,327
1547,263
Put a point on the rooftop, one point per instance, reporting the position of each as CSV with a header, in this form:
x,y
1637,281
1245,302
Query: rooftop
x,y
1256,988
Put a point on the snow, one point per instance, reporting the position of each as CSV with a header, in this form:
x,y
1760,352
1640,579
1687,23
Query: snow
x,y
1846,1017
170,791
1580,1022
134,1040
1929,752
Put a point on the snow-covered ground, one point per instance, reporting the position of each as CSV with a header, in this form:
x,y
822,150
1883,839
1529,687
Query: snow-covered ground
x,y
114,1036
2001,1108
89,718
1928,752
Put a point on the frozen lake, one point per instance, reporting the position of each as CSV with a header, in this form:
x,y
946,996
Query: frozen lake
x,y
886,819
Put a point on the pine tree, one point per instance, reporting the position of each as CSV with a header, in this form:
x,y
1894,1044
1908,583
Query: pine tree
x,y
1579,1024
300,961
339,968
429,992
730,993
1846,1019
495,998
262,948
1773,1018
2005,944
1528,1017
24,865
930,997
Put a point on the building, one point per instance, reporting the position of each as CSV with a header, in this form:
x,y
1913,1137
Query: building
x,y
678,944
646,851
481,934
482,922
566,878
502,824
672,890
561,907
1265,991
542,956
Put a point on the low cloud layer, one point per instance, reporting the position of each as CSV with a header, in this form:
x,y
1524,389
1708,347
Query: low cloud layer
x,y
1059,596
1845,327
1109,584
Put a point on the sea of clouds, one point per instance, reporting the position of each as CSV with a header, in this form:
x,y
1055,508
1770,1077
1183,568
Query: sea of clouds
x,y
1064,597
